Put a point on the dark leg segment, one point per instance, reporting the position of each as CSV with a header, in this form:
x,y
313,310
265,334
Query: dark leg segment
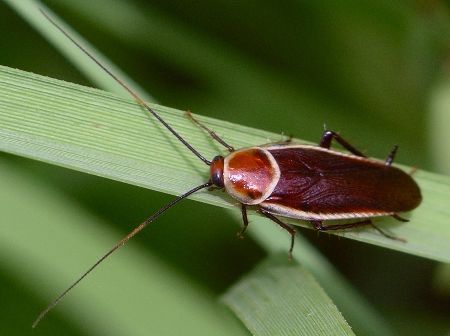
x,y
318,226
210,132
388,235
399,218
390,158
285,226
328,136
240,234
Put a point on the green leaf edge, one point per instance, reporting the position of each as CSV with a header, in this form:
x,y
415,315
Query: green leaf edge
x,y
99,133
261,297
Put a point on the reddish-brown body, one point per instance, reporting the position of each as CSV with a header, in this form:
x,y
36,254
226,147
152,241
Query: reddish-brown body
x,y
315,183
325,184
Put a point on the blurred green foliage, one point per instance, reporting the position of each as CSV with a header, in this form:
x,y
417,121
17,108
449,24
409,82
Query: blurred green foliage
x,y
368,69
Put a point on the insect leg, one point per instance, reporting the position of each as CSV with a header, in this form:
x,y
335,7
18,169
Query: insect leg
x,y
388,235
388,162
318,226
285,226
210,132
391,156
328,136
399,218
240,234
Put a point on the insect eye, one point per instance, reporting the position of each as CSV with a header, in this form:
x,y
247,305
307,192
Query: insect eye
x,y
216,171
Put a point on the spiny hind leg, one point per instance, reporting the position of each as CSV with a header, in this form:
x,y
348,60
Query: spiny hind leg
x,y
318,225
240,234
400,218
285,226
390,159
391,156
329,135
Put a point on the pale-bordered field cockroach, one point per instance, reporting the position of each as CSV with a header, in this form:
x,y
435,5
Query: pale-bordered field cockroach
x,y
310,183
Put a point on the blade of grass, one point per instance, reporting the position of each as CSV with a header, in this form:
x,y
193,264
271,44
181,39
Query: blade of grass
x,y
134,293
356,310
261,297
29,10
100,133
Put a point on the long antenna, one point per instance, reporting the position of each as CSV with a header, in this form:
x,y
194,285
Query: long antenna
x,y
131,92
117,246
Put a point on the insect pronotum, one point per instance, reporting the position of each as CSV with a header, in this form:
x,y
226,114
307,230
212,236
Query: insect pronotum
x,y
312,183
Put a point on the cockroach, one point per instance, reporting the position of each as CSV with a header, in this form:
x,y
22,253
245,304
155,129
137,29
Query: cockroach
x,y
305,182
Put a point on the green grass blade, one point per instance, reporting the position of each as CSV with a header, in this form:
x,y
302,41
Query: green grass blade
x,y
30,12
364,319
261,297
134,293
102,134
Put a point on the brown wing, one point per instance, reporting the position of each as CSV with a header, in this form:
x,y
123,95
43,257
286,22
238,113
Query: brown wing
x,y
321,181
